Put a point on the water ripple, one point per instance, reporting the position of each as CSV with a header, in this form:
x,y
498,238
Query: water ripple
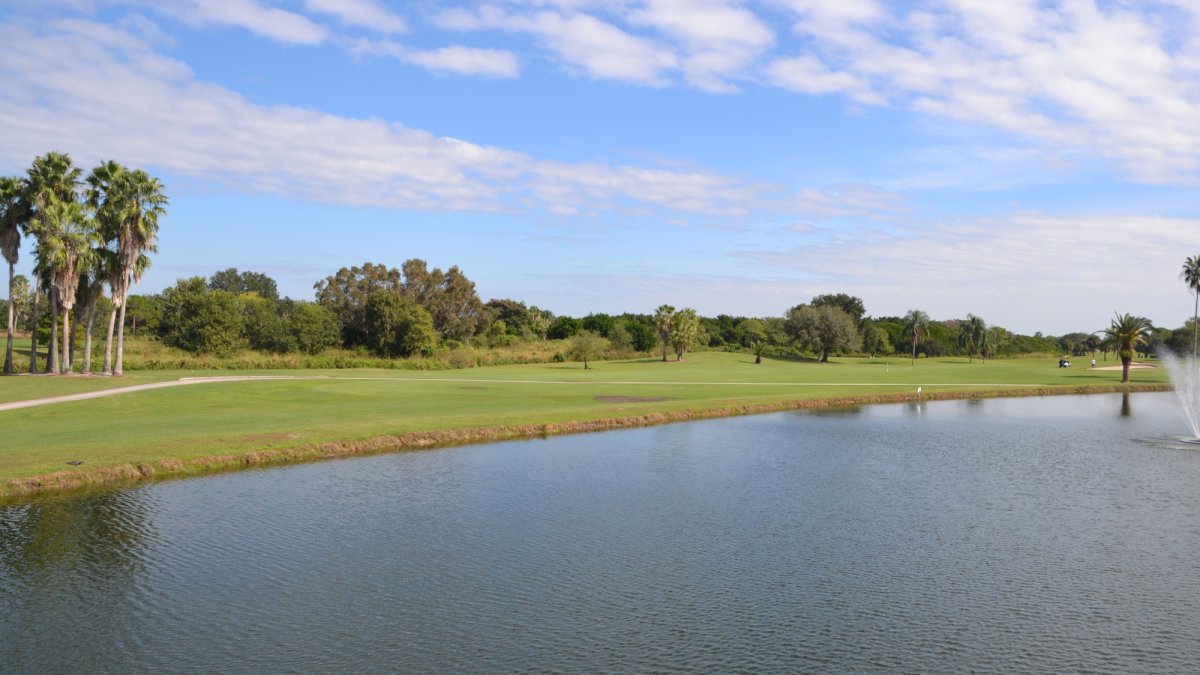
x,y
1007,536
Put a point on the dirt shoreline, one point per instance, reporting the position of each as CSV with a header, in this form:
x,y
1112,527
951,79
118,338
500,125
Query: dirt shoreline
x,y
23,488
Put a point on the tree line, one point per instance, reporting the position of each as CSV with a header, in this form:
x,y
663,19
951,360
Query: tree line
x,y
416,310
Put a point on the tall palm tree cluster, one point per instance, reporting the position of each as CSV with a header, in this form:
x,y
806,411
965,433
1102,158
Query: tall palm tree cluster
x,y
88,233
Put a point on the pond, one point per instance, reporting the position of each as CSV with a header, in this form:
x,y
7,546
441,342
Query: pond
x,y
1040,534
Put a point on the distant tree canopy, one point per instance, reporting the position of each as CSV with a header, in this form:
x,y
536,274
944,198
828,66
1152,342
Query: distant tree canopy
x,y
244,282
449,298
849,304
190,316
398,327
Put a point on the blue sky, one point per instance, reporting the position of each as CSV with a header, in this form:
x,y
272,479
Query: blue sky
x,y
1032,162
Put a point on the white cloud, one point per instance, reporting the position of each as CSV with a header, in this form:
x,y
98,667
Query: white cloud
x,y
97,93
809,75
362,13
601,49
1109,79
271,22
453,59
720,38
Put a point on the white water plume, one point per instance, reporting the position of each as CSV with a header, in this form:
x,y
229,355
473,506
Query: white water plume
x,y
1185,376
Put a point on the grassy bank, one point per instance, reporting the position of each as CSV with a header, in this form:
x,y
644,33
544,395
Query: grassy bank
x,y
338,412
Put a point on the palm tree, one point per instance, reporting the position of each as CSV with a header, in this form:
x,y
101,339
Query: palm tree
x,y
1125,333
67,238
14,212
915,324
1191,276
129,204
52,177
91,287
685,330
758,348
972,336
979,334
104,198
663,318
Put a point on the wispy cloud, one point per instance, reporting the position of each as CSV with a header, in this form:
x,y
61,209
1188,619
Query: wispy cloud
x,y
271,22
1108,79
98,92
455,59
360,13
581,41
720,39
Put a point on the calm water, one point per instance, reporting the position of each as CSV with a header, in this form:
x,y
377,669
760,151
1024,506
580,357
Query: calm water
x,y
1054,534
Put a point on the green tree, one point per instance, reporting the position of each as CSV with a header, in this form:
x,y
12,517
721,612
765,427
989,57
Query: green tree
x,y
1125,333
758,348
399,327
586,345
599,323
664,317
312,326
563,327
128,205
143,203
91,289
346,293
51,177
972,336
642,336
244,282
14,213
65,249
751,331
619,336
916,324
455,307
144,312
875,339
849,304
1191,276
822,329
201,321
685,331
265,328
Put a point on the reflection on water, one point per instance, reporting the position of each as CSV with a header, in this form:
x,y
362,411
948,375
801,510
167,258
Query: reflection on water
x,y
1011,535
59,557
1126,405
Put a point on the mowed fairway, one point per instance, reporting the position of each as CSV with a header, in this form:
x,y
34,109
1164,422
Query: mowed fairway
x,y
238,417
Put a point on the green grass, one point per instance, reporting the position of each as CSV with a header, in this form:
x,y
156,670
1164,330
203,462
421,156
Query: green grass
x,y
189,422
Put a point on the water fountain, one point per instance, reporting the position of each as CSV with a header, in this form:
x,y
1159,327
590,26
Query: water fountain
x,y
1185,376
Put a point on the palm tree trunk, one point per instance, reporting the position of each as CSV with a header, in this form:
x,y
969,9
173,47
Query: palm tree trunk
x,y
112,322
1125,361
33,365
8,349
78,312
66,342
119,368
87,338
52,357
